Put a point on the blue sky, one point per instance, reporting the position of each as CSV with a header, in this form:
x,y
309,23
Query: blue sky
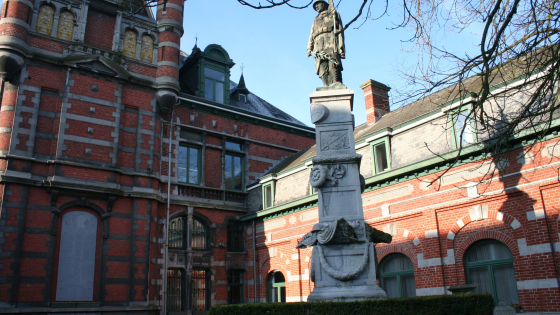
x,y
271,44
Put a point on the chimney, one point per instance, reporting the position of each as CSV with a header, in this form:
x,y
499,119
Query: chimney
x,y
377,100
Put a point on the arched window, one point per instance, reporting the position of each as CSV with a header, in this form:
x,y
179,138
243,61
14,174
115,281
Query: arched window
x,y
199,239
129,44
235,236
177,233
76,259
65,25
147,49
45,20
397,276
489,265
276,287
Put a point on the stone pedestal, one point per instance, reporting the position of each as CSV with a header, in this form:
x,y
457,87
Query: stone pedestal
x,y
343,260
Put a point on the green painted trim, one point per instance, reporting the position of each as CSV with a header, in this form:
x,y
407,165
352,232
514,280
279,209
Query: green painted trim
x,y
468,154
312,200
241,115
387,141
369,135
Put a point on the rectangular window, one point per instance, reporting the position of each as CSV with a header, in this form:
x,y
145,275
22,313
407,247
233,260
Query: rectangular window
x,y
189,135
312,190
235,287
189,165
380,161
234,146
234,171
268,196
242,98
175,290
463,129
200,290
214,85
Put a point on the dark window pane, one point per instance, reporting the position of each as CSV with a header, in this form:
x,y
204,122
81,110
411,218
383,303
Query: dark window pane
x,y
213,74
199,235
174,290
391,286
77,257
238,173
489,250
193,165
397,262
199,290
182,165
228,176
268,196
506,286
176,235
235,287
408,286
480,277
219,92
235,236
185,134
209,89
233,146
380,158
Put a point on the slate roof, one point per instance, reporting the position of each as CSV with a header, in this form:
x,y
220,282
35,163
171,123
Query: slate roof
x,y
506,72
259,106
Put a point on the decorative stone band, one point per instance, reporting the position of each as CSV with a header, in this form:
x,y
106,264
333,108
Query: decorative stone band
x,y
344,275
344,158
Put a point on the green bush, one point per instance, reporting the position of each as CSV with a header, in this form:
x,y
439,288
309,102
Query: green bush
x,y
471,304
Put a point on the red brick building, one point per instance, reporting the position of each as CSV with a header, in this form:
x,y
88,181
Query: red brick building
x,y
89,92
488,221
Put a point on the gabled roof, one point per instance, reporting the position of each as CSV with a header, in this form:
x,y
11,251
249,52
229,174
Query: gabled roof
x,y
507,72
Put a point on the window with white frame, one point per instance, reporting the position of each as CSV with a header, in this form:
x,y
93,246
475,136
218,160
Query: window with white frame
x,y
463,128
268,195
380,156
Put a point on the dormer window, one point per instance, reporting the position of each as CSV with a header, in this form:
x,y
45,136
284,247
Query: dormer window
x,y
214,85
242,98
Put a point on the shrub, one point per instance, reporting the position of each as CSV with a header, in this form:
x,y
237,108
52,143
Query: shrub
x,y
471,304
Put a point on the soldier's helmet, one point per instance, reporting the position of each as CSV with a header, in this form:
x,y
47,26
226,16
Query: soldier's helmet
x,y
317,2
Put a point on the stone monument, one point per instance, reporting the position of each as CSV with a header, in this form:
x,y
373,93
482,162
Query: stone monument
x,y
343,260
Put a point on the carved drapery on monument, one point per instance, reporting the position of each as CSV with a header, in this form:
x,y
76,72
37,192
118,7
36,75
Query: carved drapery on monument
x,y
343,263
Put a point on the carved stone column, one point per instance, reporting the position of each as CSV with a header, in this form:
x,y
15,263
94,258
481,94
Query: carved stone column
x,y
343,260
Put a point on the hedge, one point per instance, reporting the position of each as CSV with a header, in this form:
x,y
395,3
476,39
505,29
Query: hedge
x,y
471,304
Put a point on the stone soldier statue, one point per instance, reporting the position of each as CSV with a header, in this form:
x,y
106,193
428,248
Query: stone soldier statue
x,y
327,43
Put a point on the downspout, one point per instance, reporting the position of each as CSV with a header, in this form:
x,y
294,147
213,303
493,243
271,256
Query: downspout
x,y
167,217
255,260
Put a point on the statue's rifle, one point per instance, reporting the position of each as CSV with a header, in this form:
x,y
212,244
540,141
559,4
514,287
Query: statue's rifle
x,y
333,12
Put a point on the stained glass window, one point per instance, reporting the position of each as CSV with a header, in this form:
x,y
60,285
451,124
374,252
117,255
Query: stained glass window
x,y
65,25
147,49
129,44
45,20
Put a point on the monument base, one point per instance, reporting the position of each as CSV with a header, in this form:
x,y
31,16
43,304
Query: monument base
x,y
347,293
344,273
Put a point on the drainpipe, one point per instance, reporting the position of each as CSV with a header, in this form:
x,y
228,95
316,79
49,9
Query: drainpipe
x,y
167,217
255,260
